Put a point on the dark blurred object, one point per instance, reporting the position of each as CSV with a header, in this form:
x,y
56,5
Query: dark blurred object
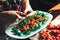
x,y
5,20
43,5
55,11
18,5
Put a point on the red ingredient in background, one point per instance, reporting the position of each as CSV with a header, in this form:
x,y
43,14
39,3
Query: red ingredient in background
x,y
51,33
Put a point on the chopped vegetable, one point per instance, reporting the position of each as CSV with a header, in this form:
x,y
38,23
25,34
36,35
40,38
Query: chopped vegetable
x,y
31,23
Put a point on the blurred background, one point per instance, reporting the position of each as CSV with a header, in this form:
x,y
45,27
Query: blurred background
x,y
43,5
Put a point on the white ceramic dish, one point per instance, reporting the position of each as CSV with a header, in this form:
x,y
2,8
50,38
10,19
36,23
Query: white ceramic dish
x,y
9,29
56,22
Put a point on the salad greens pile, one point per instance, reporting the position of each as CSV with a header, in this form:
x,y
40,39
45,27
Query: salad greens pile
x,y
30,24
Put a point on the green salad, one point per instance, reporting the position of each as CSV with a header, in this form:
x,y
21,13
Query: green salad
x,y
30,24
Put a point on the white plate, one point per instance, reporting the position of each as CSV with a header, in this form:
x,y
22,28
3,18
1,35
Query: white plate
x,y
9,29
56,22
